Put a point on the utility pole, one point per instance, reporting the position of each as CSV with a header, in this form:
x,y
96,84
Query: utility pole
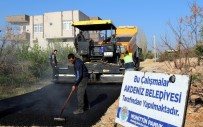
x,y
154,49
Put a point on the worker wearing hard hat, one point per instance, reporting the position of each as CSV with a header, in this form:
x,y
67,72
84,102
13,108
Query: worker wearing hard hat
x,y
128,62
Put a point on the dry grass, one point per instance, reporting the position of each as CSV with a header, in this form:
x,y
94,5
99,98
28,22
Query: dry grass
x,y
11,91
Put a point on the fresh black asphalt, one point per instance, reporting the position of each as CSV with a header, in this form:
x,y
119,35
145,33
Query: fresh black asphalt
x,y
39,108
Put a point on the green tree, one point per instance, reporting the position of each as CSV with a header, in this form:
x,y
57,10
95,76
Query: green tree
x,y
199,52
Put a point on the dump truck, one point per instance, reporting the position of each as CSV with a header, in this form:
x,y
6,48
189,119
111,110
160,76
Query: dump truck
x,y
103,56
126,38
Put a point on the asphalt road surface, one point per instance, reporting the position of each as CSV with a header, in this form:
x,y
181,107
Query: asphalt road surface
x,y
39,108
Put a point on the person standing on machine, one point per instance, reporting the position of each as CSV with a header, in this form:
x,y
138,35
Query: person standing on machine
x,y
128,62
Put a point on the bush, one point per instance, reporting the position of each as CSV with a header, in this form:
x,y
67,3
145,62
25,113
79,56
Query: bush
x,y
199,51
15,74
166,56
197,77
20,65
149,55
16,80
38,58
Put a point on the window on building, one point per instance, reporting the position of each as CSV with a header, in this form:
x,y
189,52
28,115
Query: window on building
x,y
67,25
24,28
38,28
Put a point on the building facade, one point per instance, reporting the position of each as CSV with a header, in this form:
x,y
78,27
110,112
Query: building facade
x,y
46,28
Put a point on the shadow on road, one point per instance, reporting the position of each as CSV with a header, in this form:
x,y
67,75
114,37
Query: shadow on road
x,y
98,100
17,108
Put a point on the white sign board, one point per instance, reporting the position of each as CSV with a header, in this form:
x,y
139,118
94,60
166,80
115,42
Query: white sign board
x,y
153,99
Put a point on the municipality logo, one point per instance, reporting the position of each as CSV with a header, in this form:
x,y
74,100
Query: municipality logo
x,y
124,113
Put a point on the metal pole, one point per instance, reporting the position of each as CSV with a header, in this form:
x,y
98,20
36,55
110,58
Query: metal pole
x,y
154,49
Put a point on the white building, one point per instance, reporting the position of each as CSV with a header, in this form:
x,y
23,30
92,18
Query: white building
x,y
49,27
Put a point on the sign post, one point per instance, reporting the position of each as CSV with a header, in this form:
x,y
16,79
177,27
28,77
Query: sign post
x,y
153,100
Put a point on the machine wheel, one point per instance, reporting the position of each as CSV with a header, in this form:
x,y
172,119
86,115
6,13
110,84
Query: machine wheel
x,y
137,64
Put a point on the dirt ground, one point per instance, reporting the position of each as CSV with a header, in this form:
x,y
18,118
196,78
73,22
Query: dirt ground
x,y
194,116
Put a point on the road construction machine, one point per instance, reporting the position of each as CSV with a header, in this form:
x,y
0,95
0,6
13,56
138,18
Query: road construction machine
x,y
101,45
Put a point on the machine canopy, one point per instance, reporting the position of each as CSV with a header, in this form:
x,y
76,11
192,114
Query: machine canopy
x,y
94,25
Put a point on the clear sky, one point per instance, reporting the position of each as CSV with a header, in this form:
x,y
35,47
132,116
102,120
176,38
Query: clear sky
x,y
150,16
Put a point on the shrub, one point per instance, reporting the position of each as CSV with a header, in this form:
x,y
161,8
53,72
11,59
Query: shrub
x,y
166,56
199,51
20,65
149,55
197,77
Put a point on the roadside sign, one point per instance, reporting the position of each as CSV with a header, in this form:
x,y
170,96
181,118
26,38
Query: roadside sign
x,y
153,100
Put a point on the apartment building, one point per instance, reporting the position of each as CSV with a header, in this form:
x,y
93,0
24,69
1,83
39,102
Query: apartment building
x,y
46,28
